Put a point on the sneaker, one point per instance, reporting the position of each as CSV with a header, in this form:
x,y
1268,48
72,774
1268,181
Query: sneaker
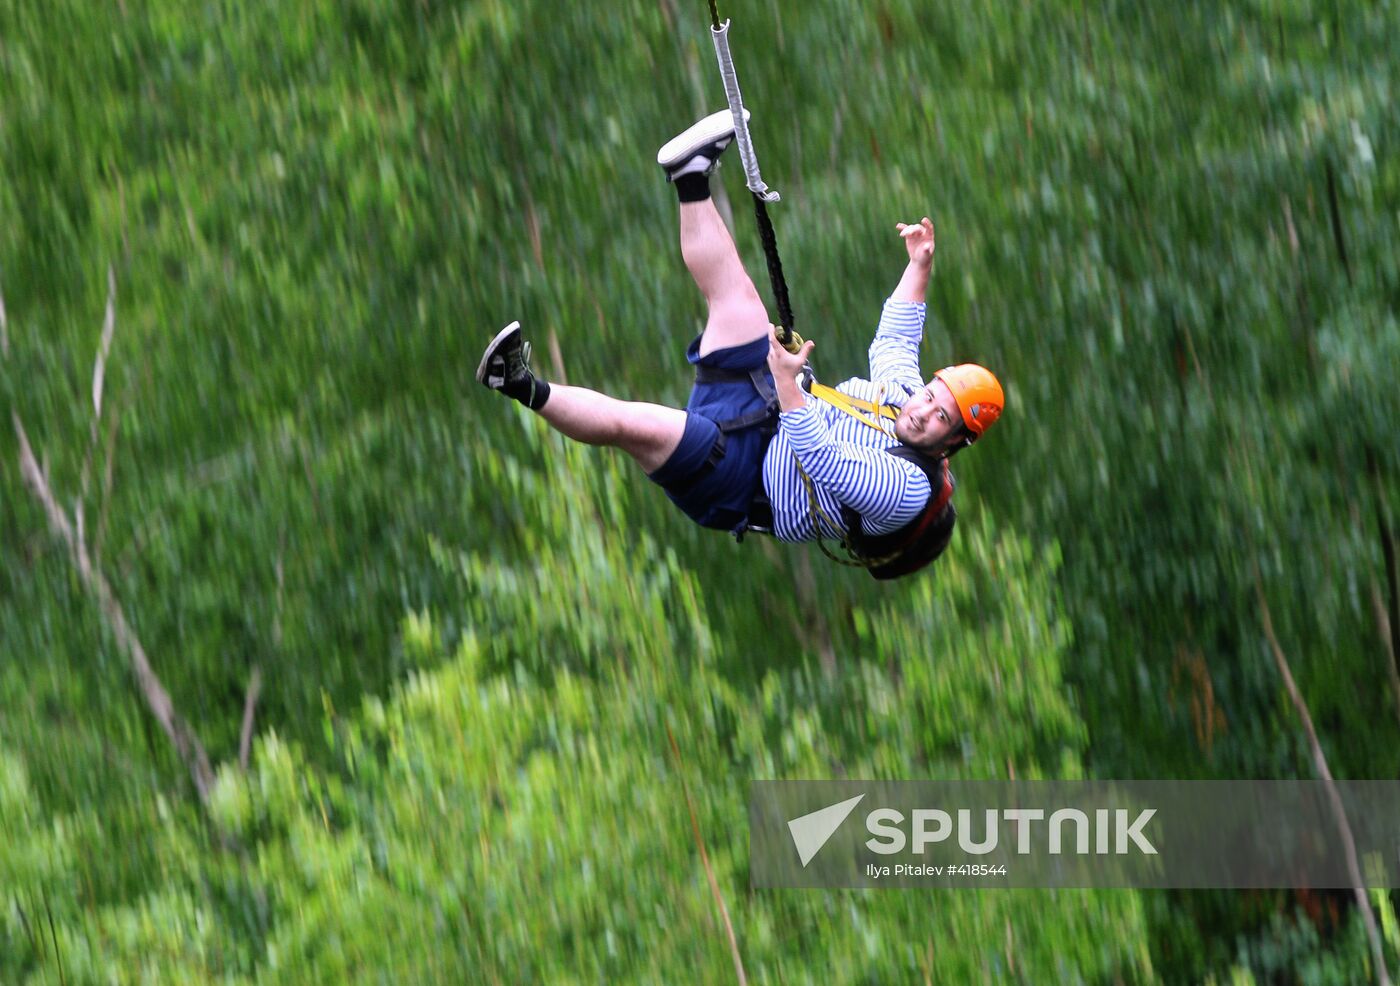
x,y
505,366
696,149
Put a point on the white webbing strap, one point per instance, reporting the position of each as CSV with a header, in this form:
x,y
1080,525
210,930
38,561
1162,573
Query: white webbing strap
x,y
720,36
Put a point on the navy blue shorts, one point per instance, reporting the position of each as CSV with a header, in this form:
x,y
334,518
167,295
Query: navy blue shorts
x,y
713,476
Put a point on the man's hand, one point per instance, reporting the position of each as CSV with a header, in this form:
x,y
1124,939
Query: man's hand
x,y
918,240
786,366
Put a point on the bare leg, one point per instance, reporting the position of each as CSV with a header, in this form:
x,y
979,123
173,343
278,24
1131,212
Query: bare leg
x,y
737,314
647,432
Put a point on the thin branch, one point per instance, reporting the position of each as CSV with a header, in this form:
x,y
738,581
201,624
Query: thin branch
x,y
1385,630
532,226
1303,320
1358,886
53,934
99,373
709,871
186,743
4,328
34,942
108,459
109,325
1392,581
556,356
1338,235
245,736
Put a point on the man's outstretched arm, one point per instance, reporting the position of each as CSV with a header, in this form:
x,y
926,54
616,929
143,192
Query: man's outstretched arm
x,y
894,353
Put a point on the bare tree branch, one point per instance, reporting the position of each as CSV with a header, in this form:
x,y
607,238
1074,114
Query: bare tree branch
x,y
108,458
1339,814
99,373
34,941
1338,233
668,10
250,702
109,325
1385,632
1387,609
556,356
709,870
4,328
177,730
53,936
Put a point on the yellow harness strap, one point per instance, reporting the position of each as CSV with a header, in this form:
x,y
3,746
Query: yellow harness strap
x,y
857,408
862,411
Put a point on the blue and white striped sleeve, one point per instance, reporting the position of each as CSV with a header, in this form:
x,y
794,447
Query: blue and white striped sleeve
x,y
886,491
894,353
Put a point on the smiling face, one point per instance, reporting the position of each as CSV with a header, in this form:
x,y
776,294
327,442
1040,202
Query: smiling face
x,y
930,420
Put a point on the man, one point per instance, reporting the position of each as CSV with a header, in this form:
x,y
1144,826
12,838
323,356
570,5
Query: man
x,y
863,464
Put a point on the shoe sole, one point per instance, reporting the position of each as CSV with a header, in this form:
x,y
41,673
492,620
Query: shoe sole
x,y
491,350
696,137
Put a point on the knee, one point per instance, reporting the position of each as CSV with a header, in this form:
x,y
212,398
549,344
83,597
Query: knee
x,y
744,315
653,435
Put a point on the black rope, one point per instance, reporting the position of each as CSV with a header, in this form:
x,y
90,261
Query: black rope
x,y
714,15
775,268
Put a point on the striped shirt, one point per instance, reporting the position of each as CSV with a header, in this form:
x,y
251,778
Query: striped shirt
x,y
845,459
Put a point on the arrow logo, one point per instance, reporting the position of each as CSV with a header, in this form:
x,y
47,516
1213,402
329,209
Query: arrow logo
x,y
810,832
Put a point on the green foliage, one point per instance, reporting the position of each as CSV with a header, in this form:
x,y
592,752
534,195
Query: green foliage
x,y
1172,229
509,818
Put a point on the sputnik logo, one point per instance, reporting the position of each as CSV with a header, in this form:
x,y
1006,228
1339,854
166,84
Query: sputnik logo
x,y
811,831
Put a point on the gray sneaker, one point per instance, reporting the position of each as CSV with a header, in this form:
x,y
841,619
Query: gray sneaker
x,y
696,149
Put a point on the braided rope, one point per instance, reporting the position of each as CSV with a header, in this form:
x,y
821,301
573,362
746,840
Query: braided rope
x,y
775,273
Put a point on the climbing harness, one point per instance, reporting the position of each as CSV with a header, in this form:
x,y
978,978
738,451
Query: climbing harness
x,y
916,544
912,546
860,409
885,556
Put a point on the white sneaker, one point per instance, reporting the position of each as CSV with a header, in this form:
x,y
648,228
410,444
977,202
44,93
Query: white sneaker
x,y
696,149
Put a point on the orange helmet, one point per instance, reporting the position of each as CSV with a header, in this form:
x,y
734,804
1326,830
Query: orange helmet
x,y
978,394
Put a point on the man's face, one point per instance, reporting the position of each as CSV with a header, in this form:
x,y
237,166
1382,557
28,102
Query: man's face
x,y
929,418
